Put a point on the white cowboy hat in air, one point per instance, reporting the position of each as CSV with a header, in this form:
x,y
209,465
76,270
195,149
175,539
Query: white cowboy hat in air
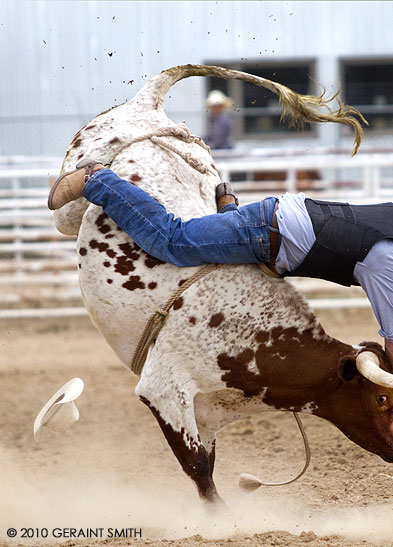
x,y
217,97
60,412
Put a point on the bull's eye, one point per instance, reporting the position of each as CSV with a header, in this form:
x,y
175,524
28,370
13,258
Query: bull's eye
x,y
382,400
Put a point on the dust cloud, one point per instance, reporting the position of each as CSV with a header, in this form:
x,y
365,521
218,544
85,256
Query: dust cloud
x,y
101,499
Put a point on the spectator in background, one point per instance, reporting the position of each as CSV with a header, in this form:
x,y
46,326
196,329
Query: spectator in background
x,y
219,136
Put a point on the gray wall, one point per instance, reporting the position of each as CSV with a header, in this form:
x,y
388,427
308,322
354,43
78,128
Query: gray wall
x,y
57,71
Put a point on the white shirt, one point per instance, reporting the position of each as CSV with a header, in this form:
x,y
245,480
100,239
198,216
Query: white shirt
x,y
374,274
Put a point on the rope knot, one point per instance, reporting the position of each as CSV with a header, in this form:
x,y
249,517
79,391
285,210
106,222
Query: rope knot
x,y
182,131
196,164
161,313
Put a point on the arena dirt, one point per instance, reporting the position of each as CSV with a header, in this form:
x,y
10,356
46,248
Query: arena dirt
x,y
113,469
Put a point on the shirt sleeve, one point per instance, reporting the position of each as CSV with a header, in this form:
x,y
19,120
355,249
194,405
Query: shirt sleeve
x,y
375,275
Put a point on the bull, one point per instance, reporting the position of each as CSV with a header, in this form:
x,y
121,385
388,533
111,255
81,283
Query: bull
x,y
236,342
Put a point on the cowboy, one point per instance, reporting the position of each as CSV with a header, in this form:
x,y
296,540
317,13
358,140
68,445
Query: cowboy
x,y
220,121
292,235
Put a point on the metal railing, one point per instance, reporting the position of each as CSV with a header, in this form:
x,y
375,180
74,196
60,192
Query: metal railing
x,y
366,177
38,264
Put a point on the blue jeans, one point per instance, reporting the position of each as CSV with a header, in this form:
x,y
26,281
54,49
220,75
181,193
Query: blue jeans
x,y
233,236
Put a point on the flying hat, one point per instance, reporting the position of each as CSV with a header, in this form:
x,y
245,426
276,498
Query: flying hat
x,y
217,97
60,412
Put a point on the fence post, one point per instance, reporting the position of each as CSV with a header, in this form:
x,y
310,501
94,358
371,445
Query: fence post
x,y
290,181
18,255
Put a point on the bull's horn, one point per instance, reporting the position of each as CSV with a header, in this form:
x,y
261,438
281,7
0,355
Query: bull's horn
x,y
367,364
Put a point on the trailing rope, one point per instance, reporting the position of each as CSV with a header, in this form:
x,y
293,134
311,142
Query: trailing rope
x,y
156,321
152,328
249,483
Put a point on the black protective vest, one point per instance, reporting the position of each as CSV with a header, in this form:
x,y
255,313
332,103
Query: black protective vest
x,y
344,235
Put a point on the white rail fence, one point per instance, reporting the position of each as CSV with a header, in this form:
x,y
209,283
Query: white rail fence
x,y
38,268
37,263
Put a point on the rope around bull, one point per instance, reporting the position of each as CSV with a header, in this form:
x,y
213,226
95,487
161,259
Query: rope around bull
x,y
181,131
155,323
247,482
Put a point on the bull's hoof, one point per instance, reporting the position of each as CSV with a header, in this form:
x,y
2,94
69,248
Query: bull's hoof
x,y
214,504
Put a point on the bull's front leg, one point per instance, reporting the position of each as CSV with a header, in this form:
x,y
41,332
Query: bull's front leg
x,y
172,405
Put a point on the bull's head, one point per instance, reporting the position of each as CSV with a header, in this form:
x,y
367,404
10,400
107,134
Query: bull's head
x,y
365,406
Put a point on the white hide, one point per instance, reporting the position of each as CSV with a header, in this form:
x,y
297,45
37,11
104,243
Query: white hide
x,y
183,360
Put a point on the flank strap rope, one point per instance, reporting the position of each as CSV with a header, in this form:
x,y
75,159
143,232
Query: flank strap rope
x,y
156,320
182,132
152,328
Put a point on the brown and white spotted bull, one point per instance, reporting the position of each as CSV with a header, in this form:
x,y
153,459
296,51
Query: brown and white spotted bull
x,y
236,342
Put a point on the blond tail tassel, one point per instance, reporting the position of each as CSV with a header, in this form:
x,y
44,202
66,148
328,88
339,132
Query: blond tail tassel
x,y
249,483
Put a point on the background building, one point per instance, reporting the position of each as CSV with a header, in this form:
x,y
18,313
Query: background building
x,y
63,62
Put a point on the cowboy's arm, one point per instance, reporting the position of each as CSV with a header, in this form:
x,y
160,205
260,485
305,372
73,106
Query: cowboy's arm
x,y
375,275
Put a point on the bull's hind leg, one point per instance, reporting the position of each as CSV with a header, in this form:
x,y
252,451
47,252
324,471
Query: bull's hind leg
x,y
208,439
172,405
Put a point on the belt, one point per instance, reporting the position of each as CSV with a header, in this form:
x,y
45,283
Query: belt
x,y
274,236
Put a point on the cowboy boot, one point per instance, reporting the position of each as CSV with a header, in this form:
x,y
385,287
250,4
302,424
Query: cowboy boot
x,y
69,186
225,194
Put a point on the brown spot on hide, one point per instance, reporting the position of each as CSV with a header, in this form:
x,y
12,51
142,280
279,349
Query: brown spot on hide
x,y
130,250
104,229
133,283
284,357
237,372
83,251
89,127
152,261
124,266
109,281
178,303
192,320
77,135
125,263
107,264
181,282
100,220
114,140
131,161
102,248
81,155
152,285
135,178
77,143
216,319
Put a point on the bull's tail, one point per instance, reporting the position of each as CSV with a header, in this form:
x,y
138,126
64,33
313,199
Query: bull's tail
x,y
298,108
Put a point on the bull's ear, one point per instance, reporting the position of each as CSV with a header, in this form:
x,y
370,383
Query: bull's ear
x,y
346,369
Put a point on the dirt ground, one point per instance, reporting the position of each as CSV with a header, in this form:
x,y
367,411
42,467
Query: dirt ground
x,y
113,472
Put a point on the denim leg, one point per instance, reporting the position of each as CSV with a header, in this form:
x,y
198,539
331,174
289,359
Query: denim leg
x,y
228,207
239,236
